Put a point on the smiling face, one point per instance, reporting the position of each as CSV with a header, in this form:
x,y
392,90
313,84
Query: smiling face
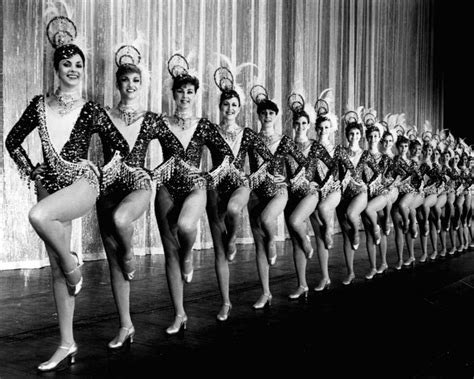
x,y
403,148
436,156
267,117
353,136
415,151
230,109
323,129
387,142
301,126
129,85
70,71
373,138
185,97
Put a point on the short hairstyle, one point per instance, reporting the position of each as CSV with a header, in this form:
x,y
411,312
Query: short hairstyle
x,y
183,79
66,52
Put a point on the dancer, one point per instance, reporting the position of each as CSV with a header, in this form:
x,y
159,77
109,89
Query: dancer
x,y
226,201
180,203
303,194
322,163
270,195
126,198
353,162
66,183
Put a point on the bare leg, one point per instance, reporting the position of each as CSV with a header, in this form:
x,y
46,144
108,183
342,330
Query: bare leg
x,y
233,218
354,209
296,221
325,212
167,212
348,251
370,245
268,222
255,208
192,210
398,224
371,211
216,210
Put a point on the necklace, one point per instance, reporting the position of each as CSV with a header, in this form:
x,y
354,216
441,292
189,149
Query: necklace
x,y
302,145
128,113
230,132
353,153
183,120
66,101
268,140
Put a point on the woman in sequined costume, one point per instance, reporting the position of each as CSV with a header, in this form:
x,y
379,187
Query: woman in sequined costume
x,y
66,183
449,208
269,197
324,165
437,209
459,186
353,162
225,202
126,198
376,215
433,181
181,201
302,197
463,233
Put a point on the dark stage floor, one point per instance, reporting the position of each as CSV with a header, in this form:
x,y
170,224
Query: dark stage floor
x,y
415,323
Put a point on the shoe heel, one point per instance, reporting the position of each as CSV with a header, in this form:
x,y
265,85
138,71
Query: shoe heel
x,y
72,359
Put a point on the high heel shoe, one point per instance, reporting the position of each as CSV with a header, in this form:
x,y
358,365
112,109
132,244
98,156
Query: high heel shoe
x,y
452,251
309,255
348,280
382,269
179,321
328,241
376,235
74,288
224,313
399,265
371,274
129,268
69,358
272,254
188,271
409,262
124,335
414,230
263,300
231,250
300,291
356,240
423,258
433,256
323,285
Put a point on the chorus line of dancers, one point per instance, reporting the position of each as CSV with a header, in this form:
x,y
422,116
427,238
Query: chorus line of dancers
x,y
422,187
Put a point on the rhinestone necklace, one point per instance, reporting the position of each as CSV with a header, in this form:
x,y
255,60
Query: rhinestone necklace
x,y
183,120
128,113
66,101
230,132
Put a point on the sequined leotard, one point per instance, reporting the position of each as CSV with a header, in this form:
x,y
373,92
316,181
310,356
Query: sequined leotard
x,y
380,183
358,173
206,134
134,157
286,148
250,144
63,168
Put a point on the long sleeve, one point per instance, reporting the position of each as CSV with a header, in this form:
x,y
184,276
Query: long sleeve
x,y
25,125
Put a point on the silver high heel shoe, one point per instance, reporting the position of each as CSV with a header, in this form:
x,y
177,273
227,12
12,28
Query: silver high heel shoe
x,y
263,300
311,250
300,291
224,313
348,280
74,288
382,269
371,274
323,285
179,321
129,268
53,365
188,276
124,335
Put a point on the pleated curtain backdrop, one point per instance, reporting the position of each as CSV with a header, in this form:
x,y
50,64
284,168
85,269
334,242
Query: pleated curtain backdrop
x,y
377,53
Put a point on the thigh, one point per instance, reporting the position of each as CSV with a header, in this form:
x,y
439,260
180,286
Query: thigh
x,y
275,206
134,204
357,204
70,202
194,206
240,197
305,207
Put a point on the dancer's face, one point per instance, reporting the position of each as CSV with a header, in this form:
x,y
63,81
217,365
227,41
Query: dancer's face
x,y
373,138
301,126
185,97
230,109
436,155
353,136
323,128
129,85
428,152
267,117
403,148
70,71
446,157
416,151
387,142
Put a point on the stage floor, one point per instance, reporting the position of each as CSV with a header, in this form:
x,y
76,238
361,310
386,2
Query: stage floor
x,y
416,322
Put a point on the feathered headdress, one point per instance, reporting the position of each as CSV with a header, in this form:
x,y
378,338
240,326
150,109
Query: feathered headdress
x,y
178,67
259,96
324,106
299,107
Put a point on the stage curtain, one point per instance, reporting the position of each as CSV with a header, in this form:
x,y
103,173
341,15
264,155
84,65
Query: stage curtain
x,y
378,54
